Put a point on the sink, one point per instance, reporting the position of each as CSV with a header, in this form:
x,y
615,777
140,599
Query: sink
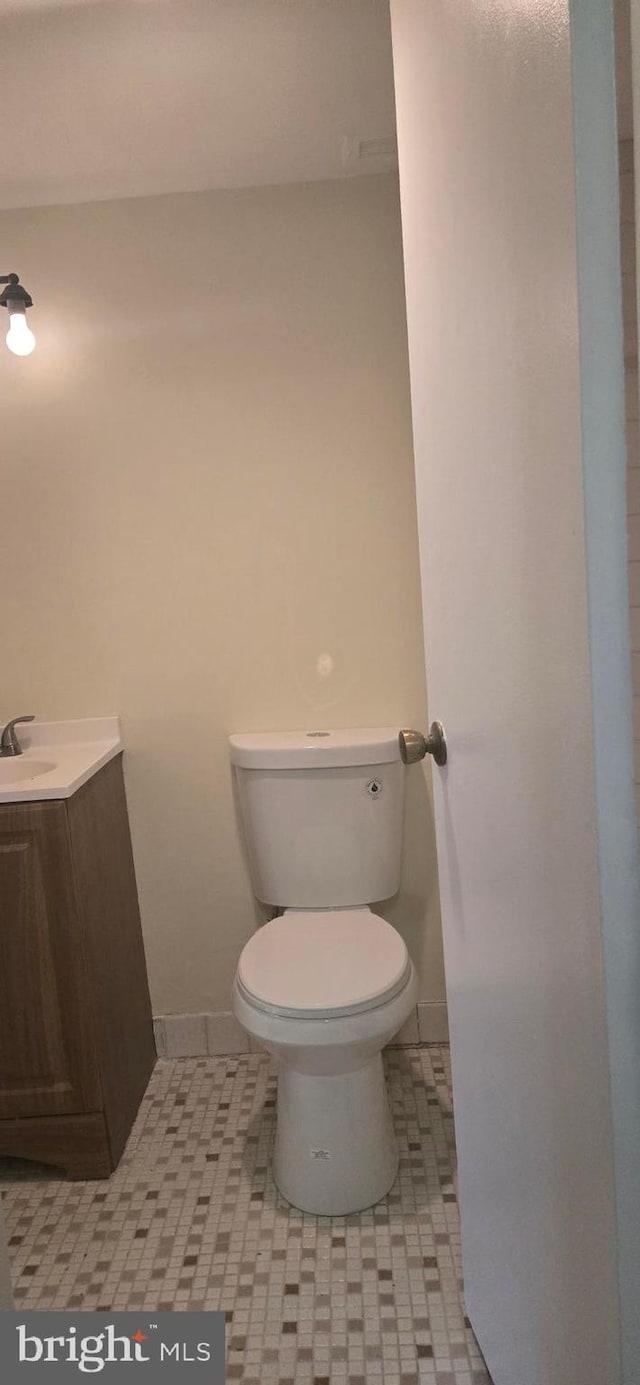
x,y
17,769
58,757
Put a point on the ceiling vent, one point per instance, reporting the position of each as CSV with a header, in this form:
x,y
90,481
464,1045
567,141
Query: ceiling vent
x,y
369,155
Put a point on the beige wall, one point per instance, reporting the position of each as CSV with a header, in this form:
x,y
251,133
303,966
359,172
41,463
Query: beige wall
x,y
207,485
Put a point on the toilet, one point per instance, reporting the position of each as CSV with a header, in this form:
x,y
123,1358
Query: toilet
x,y
326,983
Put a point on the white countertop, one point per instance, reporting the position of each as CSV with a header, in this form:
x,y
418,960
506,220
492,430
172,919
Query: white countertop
x,y
58,757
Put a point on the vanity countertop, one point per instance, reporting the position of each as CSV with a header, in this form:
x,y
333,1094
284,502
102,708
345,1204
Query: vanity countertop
x,y
58,757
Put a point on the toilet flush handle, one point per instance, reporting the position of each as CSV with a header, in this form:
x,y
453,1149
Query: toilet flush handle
x,y
414,746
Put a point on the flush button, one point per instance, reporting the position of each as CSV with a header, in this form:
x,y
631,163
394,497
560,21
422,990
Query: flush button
x,y
374,788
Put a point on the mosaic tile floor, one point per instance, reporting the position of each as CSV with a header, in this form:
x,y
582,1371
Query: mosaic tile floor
x,y
191,1219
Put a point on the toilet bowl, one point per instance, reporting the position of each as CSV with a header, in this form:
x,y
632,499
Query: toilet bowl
x,y
324,991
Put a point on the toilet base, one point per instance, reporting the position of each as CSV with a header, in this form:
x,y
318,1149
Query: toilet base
x,y
335,1150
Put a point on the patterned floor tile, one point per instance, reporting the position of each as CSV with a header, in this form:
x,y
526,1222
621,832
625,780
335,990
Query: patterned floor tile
x,y
191,1219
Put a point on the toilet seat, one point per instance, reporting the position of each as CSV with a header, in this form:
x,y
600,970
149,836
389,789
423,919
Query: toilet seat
x,y
323,964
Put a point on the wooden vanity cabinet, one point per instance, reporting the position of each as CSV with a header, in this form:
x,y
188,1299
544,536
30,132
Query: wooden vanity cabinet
x,y
76,1034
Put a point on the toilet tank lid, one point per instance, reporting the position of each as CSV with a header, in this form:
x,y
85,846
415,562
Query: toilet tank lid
x,y
315,749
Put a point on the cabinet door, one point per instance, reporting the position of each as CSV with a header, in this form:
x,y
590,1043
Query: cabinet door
x,y
47,1063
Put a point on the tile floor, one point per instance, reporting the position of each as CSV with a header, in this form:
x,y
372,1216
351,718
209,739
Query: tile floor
x,y
191,1219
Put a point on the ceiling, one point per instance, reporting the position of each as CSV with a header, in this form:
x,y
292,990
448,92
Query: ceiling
x,y
122,98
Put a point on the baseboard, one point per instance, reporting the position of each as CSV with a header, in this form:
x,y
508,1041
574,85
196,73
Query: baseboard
x,y
195,1036
427,1024
219,1034
433,1022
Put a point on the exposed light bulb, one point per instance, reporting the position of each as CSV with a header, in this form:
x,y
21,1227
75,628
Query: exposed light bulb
x,y
20,338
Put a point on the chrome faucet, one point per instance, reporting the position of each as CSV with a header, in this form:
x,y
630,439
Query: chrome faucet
x,y
9,743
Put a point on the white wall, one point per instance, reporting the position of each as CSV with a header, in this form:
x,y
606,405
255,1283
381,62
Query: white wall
x,y
628,233
630,315
206,480
603,344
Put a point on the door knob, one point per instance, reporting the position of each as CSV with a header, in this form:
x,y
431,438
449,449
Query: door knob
x,y
414,746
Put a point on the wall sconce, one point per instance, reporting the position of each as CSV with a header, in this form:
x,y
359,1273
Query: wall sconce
x,y
19,338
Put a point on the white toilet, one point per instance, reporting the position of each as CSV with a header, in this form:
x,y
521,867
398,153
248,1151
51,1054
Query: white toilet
x,y
327,983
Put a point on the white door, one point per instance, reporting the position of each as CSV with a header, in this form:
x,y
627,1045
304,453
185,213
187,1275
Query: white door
x,y
514,323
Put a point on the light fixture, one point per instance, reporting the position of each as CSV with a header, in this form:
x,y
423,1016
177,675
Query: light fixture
x,y
16,300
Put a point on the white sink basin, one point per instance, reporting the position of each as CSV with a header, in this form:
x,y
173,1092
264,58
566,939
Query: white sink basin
x,y
57,757
17,769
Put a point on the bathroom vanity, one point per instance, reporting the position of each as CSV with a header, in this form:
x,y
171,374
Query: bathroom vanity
x,y
76,1035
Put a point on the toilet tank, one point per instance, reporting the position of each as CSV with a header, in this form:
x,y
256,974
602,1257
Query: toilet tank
x,y
322,815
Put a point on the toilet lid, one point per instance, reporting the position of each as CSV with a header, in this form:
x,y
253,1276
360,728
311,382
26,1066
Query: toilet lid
x,y
322,964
